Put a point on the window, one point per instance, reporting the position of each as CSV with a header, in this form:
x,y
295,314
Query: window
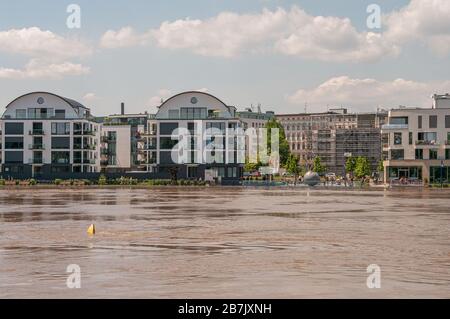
x,y
40,113
427,136
14,157
433,154
410,138
419,121
215,127
447,121
174,114
60,142
60,169
21,113
398,120
433,121
61,128
193,113
60,114
397,154
447,154
192,172
60,157
397,138
167,143
12,142
419,153
167,128
13,128
232,172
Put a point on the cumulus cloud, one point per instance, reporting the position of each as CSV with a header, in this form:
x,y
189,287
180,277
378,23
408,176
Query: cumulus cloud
x,y
426,21
297,33
367,94
125,37
36,69
38,43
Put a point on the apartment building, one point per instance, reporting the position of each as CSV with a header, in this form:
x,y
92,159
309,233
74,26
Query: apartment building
x,y
333,136
47,134
123,143
416,143
205,154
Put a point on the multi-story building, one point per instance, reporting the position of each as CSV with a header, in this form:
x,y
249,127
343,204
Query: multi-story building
x,y
333,136
124,146
47,134
209,154
416,143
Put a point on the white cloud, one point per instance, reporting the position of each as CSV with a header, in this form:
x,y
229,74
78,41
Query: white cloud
x,y
161,95
89,97
426,21
367,94
125,37
297,33
36,69
292,32
37,43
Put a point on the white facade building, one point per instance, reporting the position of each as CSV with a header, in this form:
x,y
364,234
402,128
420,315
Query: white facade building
x,y
416,143
47,134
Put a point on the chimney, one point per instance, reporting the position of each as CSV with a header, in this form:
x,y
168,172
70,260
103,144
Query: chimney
x,y
122,108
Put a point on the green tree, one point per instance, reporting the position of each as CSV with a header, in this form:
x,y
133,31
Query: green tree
x,y
318,167
293,167
251,167
362,167
380,167
350,165
283,143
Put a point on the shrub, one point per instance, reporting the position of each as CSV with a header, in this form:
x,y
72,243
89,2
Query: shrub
x,y
57,181
102,180
2,181
32,181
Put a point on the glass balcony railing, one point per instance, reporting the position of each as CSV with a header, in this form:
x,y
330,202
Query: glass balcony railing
x,y
36,146
427,142
36,132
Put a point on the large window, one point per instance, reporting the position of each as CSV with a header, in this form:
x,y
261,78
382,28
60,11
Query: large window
x,y
397,138
13,157
167,128
60,114
447,154
433,154
193,113
397,154
61,128
166,143
419,153
44,113
398,120
13,128
13,142
439,174
60,142
60,157
427,136
419,121
433,121
214,126
21,114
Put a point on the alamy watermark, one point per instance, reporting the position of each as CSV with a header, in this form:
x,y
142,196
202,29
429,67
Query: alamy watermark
x,y
374,279
74,279
74,19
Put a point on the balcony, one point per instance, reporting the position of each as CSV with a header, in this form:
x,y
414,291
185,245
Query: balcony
x,y
427,143
395,127
36,146
36,161
86,132
104,151
36,132
103,163
91,147
89,161
447,142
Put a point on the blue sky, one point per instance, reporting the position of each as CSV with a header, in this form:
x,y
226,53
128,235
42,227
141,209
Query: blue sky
x,y
277,53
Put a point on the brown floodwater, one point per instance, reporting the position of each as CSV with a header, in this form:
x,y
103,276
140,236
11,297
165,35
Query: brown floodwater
x,y
178,242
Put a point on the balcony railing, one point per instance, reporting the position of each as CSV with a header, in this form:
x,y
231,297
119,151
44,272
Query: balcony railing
x,y
447,142
36,146
395,127
104,163
36,132
88,161
36,161
427,142
85,132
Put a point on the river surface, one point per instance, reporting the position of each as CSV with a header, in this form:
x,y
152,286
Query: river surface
x,y
178,242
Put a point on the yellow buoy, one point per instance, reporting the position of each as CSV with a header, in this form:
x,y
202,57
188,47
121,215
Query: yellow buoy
x,y
91,230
